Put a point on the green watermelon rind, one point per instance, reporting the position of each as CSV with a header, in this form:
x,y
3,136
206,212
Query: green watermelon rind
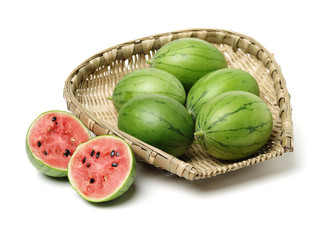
x,y
188,59
159,121
122,188
37,162
216,134
216,83
147,81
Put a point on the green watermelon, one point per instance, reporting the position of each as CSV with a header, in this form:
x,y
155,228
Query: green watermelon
x,y
51,140
217,82
159,121
234,125
102,168
146,81
188,59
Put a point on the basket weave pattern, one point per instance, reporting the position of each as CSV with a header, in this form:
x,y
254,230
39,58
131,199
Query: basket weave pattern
x,y
88,86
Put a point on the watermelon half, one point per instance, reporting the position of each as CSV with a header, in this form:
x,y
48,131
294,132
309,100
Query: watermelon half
x,y
51,140
102,168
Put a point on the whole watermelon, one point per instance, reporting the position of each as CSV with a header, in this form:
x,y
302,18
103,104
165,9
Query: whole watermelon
x,y
188,59
146,81
217,82
234,125
159,121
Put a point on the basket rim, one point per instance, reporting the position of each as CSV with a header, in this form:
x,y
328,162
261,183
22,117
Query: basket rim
x,y
153,155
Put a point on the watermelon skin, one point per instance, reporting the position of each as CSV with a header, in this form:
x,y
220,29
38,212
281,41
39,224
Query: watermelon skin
x,y
188,59
146,81
36,160
217,82
159,121
234,125
110,181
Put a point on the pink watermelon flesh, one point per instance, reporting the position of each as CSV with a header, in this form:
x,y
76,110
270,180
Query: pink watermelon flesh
x,y
100,167
54,137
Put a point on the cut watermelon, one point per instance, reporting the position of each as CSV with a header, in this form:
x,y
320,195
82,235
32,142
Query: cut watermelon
x,y
102,168
51,140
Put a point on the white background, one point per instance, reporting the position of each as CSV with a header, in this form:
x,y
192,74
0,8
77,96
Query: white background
x,y
284,198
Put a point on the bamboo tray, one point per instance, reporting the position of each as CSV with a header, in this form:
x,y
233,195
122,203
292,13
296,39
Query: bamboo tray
x,y
88,86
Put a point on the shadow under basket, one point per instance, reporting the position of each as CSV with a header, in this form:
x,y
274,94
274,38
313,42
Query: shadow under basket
x,y
87,89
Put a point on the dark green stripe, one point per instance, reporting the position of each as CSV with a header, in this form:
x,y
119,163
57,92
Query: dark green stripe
x,y
122,83
207,137
250,128
224,117
206,56
171,127
186,69
119,94
174,49
201,96
135,117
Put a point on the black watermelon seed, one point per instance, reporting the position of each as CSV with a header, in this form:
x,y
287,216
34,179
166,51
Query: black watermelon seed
x,y
115,164
117,154
88,165
45,152
39,144
92,153
65,154
112,153
54,119
92,180
97,154
67,151
84,160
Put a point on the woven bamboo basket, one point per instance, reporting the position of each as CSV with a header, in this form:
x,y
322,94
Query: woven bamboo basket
x,y
88,86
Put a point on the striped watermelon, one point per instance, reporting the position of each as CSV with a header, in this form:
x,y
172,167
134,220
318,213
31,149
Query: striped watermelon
x,y
158,120
188,59
217,82
51,140
234,125
146,81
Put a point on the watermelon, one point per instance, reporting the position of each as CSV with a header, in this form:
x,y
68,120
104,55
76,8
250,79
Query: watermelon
x,y
234,125
159,121
188,59
51,140
102,168
145,81
217,82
